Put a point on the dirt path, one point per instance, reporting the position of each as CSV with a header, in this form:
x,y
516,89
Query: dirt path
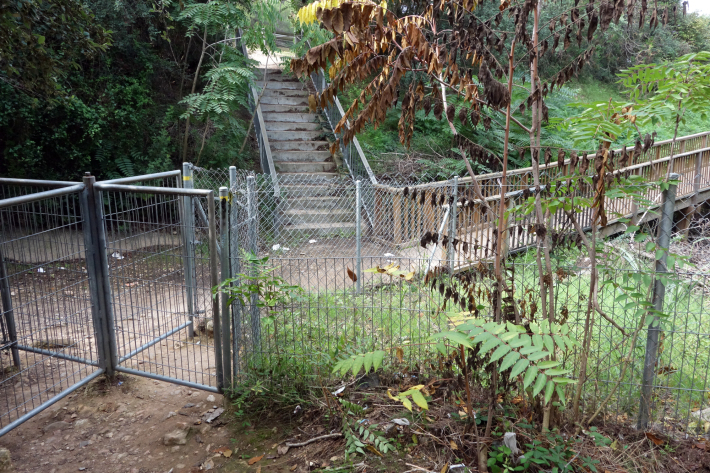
x,y
123,428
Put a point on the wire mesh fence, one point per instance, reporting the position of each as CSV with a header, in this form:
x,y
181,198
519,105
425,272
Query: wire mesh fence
x,y
47,322
162,316
309,232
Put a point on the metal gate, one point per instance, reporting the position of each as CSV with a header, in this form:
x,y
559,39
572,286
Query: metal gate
x,y
105,277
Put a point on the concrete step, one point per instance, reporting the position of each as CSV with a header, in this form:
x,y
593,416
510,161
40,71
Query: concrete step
x,y
276,136
311,184
285,93
299,145
301,216
275,77
285,85
271,108
323,229
290,117
302,156
304,167
283,100
290,127
320,203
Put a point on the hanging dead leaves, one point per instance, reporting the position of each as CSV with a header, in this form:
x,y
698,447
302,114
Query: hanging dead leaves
x,y
443,44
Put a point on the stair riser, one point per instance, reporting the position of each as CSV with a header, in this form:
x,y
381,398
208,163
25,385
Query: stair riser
x,y
299,146
305,190
273,78
290,117
285,85
281,100
304,167
290,137
302,156
318,203
285,93
274,108
291,127
315,218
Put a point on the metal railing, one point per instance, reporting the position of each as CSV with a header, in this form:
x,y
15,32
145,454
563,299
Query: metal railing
x,y
353,156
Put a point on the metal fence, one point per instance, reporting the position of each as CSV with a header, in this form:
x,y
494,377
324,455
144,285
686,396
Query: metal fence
x,y
46,283
105,277
318,230
117,276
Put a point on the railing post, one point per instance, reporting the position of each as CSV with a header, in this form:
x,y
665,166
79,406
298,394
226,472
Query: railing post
x,y
97,269
225,273
235,267
188,234
8,311
251,244
659,292
689,213
450,251
214,281
358,236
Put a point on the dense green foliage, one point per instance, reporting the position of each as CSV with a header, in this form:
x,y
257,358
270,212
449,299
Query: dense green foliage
x,y
109,87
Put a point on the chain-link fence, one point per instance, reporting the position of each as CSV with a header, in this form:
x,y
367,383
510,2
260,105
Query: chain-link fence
x,y
324,234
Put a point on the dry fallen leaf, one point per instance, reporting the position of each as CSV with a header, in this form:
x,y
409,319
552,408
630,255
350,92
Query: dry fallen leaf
x,y
654,439
400,354
255,459
445,468
282,450
453,445
373,450
294,467
227,453
258,470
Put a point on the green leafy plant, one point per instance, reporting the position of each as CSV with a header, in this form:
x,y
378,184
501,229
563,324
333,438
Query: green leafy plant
x,y
358,435
522,352
261,287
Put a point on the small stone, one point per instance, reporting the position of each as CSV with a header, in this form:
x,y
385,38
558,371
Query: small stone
x,y
210,398
81,423
176,448
180,466
85,443
188,405
198,439
176,437
5,460
169,415
56,426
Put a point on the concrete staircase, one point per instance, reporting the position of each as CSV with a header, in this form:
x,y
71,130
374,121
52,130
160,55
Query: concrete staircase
x,y
314,205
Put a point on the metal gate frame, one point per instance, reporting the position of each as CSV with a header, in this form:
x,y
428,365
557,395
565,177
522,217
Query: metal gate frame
x,y
57,189
90,195
187,216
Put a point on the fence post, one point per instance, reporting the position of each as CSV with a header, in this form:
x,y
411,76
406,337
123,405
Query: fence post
x,y
214,281
235,266
188,260
251,244
97,269
450,252
7,310
659,292
225,273
358,236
